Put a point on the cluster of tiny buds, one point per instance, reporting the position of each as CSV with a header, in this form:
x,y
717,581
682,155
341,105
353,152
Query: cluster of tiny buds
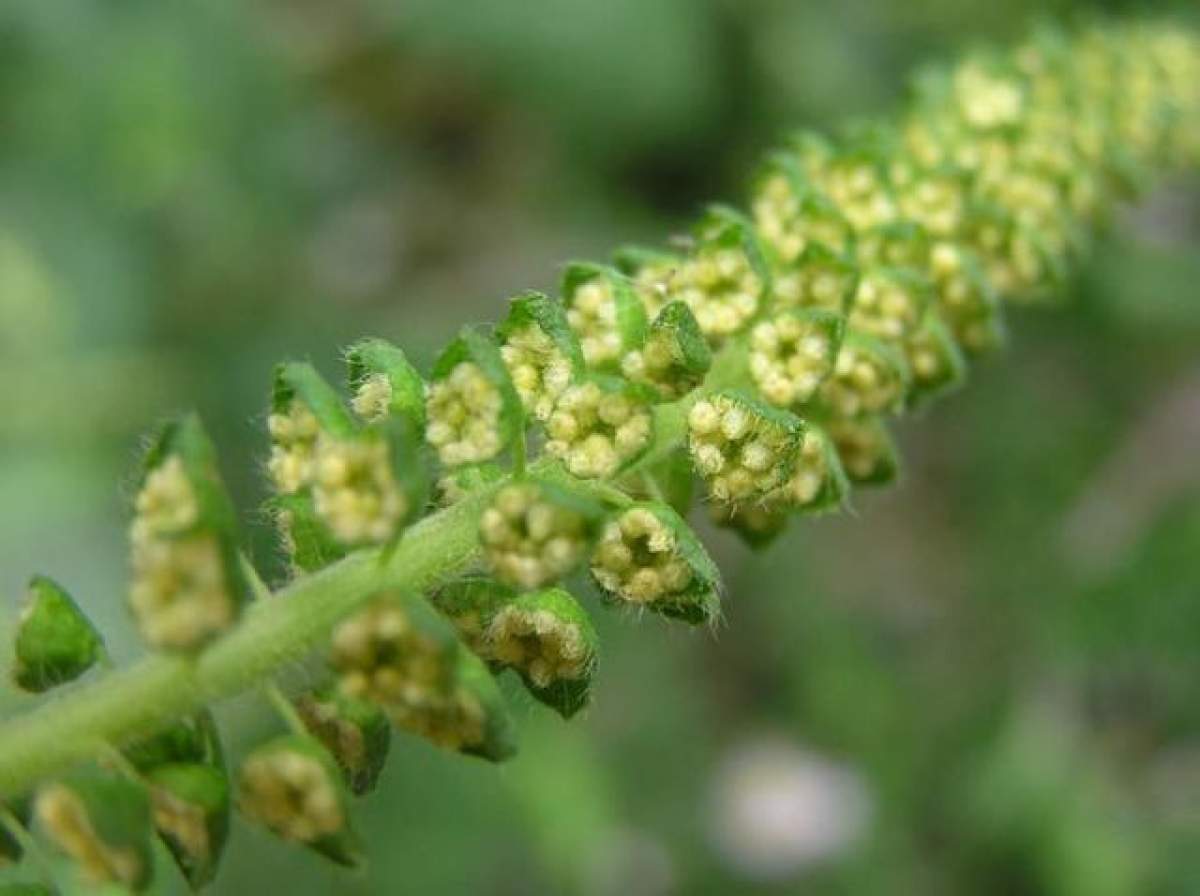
x,y
858,190
809,478
783,225
637,559
595,431
464,416
178,594
593,318
530,541
740,455
861,383
539,370
355,490
545,647
293,447
860,446
811,286
181,821
720,286
64,817
656,364
790,357
884,308
373,398
291,793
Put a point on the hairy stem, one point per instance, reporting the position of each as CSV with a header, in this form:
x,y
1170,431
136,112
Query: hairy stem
x,y
127,702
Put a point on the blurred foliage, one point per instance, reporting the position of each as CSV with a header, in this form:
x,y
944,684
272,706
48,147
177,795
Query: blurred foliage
x,y
190,191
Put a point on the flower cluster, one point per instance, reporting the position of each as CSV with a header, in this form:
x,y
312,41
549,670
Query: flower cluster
x,y
355,491
464,416
294,435
530,538
742,449
793,353
598,427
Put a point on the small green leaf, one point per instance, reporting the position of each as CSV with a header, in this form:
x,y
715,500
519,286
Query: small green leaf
x,y
55,642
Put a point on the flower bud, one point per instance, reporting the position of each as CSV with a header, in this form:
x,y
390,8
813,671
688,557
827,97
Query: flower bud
x,y
742,448
1016,261
55,642
474,411
600,426
470,604
101,821
303,406
604,313
400,654
533,534
965,299
792,353
675,357
725,279
190,806
868,377
790,214
855,180
649,557
460,482
866,450
188,586
817,484
190,740
650,272
933,197
819,279
291,786
890,302
899,244
547,637
540,350
355,732
384,384
937,364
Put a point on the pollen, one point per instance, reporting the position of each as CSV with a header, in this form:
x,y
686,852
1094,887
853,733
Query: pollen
x,y
531,542
789,358
464,417
595,432
638,559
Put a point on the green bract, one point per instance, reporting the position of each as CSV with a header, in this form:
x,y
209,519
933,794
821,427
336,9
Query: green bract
x,y
675,356
355,732
384,384
55,642
188,585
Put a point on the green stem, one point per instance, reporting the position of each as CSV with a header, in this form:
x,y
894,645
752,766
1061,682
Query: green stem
x,y
124,703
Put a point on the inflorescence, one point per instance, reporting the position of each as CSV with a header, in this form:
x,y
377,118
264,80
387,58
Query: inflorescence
x,y
763,356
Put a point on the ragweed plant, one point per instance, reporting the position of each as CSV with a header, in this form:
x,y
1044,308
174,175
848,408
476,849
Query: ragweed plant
x,y
762,355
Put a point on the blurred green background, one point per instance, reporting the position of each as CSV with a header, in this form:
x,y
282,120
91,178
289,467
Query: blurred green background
x,y
985,681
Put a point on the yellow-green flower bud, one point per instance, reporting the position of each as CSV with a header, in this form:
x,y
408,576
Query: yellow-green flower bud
x,y
542,354
890,302
819,279
855,180
470,604
55,642
303,407
866,450
675,356
792,353
935,198
355,492
188,586
547,637
649,557
604,312
598,427
900,244
383,384
190,806
355,732
965,299
790,214
724,280
101,821
474,412
533,535
400,654
868,377
190,740
462,481
292,787
934,358
743,449
650,272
